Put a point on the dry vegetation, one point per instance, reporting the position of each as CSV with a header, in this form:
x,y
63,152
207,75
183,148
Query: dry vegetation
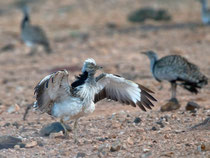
x,y
80,29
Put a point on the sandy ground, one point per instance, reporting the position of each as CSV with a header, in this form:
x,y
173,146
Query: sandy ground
x,y
80,29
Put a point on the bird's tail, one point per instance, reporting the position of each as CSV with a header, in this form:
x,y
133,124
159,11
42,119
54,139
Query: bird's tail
x,y
194,86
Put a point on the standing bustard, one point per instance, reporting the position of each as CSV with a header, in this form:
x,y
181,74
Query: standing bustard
x,y
205,12
55,96
175,68
32,35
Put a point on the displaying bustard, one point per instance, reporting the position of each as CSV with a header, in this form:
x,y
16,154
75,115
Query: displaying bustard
x,y
55,96
205,12
32,35
175,68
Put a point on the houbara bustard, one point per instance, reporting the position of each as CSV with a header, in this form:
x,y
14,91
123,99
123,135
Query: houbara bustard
x,y
55,96
33,35
175,68
205,12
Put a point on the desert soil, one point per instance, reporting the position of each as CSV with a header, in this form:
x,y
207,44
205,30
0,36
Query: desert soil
x,y
81,29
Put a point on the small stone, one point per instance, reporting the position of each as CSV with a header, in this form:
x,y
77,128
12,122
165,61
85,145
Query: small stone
x,y
137,120
154,128
115,146
204,147
130,141
31,144
80,154
161,124
166,136
16,124
13,108
56,135
103,150
17,146
103,139
173,104
192,106
145,155
145,150
6,124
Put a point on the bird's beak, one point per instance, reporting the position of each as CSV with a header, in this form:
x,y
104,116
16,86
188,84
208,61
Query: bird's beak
x,y
98,67
145,53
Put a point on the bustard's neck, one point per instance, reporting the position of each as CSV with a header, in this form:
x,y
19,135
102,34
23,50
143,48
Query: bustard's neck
x,y
91,78
153,60
204,5
25,21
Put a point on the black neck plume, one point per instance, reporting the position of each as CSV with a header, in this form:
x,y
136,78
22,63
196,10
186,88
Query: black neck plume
x,y
80,80
25,21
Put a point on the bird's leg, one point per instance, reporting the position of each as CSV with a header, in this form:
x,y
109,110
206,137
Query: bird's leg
x,y
75,131
64,127
173,90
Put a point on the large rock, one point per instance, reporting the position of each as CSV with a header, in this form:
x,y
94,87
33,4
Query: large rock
x,y
173,104
54,127
10,142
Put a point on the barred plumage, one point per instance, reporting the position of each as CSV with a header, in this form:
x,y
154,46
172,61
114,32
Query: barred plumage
x,y
33,35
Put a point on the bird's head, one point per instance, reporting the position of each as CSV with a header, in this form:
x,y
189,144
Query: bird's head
x,y
151,55
90,66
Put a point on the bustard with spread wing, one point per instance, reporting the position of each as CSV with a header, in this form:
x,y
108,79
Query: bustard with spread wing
x,y
33,35
175,68
55,96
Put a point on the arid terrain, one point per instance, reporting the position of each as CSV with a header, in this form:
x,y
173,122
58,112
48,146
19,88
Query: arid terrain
x,y
99,29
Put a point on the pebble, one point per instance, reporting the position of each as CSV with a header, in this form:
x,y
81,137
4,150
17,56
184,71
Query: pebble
x,y
192,106
115,146
204,147
13,108
154,128
145,150
31,144
137,120
80,154
56,135
130,141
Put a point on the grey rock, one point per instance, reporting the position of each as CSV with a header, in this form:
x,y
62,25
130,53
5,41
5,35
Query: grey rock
x,y
137,120
9,142
116,146
80,154
192,106
54,127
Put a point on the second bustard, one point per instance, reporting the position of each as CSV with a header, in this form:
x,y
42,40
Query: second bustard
x,y
55,96
175,68
32,35
205,12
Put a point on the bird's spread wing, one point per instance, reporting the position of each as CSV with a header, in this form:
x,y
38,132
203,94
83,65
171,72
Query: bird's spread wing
x,y
52,88
125,91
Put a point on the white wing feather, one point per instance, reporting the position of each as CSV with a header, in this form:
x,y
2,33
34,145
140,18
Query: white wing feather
x,y
125,91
